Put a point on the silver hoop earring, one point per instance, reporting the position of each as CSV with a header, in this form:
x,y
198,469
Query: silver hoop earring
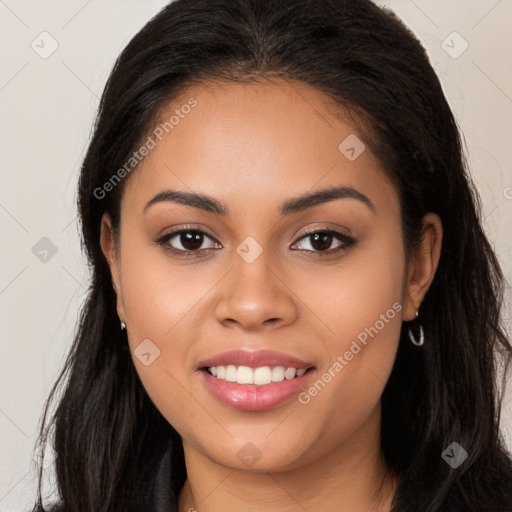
x,y
123,326
421,341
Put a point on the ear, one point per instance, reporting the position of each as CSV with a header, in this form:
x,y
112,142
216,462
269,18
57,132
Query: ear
x,y
423,265
111,252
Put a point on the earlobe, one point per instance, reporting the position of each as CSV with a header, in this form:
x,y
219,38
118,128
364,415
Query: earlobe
x,y
423,265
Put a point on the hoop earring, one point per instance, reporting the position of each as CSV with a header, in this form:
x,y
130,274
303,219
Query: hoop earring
x,y
421,341
123,326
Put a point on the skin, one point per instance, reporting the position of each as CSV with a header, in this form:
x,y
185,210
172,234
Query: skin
x,y
253,146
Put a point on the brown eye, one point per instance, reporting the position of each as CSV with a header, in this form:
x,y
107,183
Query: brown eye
x,y
187,241
191,240
321,242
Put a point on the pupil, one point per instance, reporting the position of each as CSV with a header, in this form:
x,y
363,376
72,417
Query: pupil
x,y
323,238
191,240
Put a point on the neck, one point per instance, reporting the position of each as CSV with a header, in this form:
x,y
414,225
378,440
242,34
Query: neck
x,y
351,476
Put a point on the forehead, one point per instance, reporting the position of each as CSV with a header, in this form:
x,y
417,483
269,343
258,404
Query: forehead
x,y
260,140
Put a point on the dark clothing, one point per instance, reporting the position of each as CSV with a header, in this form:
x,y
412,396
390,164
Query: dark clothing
x,y
160,497
164,501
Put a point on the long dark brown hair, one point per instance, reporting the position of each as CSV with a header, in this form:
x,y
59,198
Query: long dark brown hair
x,y
107,434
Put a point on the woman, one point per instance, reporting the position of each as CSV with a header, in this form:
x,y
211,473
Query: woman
x,y
293,304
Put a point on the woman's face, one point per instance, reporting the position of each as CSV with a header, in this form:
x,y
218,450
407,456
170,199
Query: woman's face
x,y
256,281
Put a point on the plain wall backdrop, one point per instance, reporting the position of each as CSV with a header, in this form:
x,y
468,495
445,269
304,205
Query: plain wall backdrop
x,y
55,59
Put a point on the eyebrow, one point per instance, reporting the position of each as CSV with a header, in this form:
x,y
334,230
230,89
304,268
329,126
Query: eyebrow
x,y
289,207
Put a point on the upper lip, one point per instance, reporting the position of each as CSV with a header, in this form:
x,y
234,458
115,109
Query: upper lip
x,y
254,359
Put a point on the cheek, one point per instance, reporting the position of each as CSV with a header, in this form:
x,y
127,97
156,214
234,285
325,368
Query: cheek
x,y
158,294
346,391
158,301
351,296
360,302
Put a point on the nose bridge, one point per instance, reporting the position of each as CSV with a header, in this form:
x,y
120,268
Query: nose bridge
x,y
256,295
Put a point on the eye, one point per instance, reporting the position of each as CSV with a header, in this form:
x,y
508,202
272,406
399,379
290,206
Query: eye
x,y
321,241
191,241
187,242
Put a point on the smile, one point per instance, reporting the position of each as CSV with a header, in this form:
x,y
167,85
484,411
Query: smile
x,y
263,393
258,376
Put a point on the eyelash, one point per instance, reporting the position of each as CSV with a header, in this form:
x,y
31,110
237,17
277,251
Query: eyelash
x,y
346,242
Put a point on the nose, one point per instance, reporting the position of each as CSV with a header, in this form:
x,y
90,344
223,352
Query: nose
x,y
256,297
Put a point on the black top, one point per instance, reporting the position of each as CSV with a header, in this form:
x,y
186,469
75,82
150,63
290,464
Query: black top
x,y
161,497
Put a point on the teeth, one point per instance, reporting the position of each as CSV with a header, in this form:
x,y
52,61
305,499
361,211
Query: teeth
x,y
290,373
278,374
259,376
230,373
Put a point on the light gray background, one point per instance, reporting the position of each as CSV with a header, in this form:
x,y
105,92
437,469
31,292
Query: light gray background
x,y
47,108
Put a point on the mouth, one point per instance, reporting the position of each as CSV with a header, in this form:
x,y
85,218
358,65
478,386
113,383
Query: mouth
x,y
255,381
259,376
255,389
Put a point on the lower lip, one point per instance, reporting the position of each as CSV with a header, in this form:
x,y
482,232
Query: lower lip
x,y
250,397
